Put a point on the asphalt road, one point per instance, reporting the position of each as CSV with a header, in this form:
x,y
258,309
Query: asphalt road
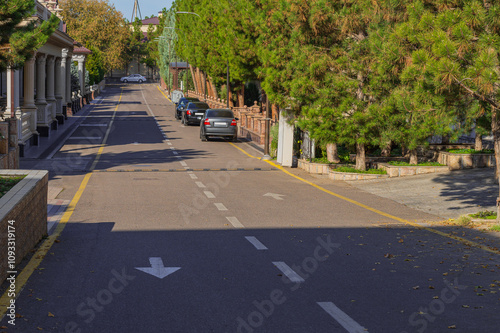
x,y
171,234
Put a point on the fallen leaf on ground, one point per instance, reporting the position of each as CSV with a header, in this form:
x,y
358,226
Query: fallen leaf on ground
x,y
452,326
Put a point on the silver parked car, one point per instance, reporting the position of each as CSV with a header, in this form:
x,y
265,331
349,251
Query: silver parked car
x,y
218,122
133,78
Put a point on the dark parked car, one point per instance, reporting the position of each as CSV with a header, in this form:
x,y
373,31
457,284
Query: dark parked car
x,y
194,112
218,122
182,104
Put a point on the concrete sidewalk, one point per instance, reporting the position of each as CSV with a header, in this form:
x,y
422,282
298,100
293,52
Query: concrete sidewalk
x,y
447,195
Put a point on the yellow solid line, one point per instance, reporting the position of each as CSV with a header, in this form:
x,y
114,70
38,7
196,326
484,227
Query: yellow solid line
x,y
414,224
163,94
42,251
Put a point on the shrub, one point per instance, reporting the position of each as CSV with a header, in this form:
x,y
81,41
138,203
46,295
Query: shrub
x,y
354,170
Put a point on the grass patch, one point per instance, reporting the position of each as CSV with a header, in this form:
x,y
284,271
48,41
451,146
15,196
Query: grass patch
x,y
354,170
495,227
488,215
464,221
401,163
6,183
470,151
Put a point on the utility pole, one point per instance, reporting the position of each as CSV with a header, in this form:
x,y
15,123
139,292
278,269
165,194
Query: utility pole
x,y
135,10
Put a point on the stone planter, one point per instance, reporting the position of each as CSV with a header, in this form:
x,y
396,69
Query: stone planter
x,y
335,175
401,171
314,168
466,161
26,205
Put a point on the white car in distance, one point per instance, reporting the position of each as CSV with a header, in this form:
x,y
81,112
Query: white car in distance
x,y
133,78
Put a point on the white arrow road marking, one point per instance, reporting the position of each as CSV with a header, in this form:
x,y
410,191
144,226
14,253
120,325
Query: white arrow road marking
x,y
255,242
157,268
274,195
342,318
289,273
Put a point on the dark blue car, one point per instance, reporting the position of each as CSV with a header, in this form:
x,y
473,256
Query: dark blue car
x,y
182,104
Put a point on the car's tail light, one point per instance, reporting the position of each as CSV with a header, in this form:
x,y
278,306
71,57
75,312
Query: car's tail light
x,y
206,122
188,112
233,123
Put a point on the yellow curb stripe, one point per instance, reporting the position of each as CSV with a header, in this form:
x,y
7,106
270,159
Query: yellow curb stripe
x,y
414,224
163,94
42,251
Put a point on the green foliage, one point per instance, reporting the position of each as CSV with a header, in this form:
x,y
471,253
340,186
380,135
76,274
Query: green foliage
x,y
464,221
19,42
354,170
95,66
470,151
495,227
489,215
274,134
6,183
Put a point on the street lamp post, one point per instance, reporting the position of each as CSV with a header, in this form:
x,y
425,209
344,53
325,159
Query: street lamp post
x,y
227,85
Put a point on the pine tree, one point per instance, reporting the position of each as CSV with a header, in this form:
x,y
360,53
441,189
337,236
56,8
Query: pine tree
x,y
19,41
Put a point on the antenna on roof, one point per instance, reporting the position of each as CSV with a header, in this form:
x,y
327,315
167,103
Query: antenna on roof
x,y
134,11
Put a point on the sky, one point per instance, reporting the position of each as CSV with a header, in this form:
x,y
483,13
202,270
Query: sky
x,y
147,7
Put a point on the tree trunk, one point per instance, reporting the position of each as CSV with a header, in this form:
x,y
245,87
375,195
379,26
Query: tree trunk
x,y
413,157
231,103
241,96
445,139
495,128
479,142
332,153
386,151
360,157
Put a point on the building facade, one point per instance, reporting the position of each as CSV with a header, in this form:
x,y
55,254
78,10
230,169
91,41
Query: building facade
x,y
38,96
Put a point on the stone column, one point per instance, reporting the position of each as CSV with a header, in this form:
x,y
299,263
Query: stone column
x,y
50,93
41,101
68,92
29,106
59,85
81,73
63,85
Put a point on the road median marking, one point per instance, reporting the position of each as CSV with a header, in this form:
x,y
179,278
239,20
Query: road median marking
x,y
342,318
42,251
374,210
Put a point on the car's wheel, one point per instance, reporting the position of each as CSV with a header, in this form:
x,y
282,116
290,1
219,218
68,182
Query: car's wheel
x,y
235,138
125,81
140,81
176,115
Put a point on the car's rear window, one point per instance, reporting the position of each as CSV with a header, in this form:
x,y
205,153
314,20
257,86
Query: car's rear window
x,y
220,113
199,105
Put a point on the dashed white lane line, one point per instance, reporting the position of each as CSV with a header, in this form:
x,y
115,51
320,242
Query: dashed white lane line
x,y
178,156
200,184
168,143
183,164
173,148
193,176
220,206
342,318
209,194
235,222
255,242
288,272
175,153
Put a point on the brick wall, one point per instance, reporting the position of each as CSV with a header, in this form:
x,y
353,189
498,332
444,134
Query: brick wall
x,y
26,204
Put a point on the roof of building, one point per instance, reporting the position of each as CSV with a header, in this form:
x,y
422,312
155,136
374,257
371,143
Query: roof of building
x,y
179,64
151,20
79,49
